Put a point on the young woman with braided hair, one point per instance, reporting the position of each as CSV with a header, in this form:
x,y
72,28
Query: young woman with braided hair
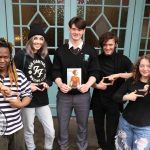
x,y
15,93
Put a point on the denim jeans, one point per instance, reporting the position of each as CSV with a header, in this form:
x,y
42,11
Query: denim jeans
x,y
45,117
130,137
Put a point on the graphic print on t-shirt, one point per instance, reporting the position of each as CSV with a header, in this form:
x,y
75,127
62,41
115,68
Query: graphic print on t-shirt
x,y
36,71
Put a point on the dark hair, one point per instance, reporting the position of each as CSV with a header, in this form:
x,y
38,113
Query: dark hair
x,y
107,36
136,73
11,67
79,22
4,43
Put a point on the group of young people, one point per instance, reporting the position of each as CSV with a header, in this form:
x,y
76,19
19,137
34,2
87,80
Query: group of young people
x,y
25,79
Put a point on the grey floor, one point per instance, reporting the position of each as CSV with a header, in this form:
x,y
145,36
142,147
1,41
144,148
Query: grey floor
x,y
39,136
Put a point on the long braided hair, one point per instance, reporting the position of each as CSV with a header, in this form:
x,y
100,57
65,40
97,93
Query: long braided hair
x,y
11,67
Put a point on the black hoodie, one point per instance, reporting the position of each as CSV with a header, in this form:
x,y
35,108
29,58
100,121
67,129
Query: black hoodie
x,y
37,70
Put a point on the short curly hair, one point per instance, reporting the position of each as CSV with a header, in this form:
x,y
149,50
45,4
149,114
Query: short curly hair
x,y
107,36
6,44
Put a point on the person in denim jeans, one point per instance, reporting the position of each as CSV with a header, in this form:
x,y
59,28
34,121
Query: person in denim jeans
x,y
134,124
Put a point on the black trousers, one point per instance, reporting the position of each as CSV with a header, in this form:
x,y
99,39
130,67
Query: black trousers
x,y
106,120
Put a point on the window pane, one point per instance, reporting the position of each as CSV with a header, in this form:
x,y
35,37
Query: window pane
x,y
121,38
145,28
112,2
142,44
90,37
49,13
60,15
16,14
50,37
124,15
17,36
92,13
27,13
28,1
112,15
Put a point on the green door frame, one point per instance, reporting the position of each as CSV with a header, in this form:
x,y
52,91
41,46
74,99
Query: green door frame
x,y
3,28
137,28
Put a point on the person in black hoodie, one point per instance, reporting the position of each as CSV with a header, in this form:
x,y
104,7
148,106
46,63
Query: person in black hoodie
x,y
134,123
75,55
36,65
114,68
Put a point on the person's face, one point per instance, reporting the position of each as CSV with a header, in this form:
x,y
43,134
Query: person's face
x,y
144,68
75,33
109,47
4,58
37,41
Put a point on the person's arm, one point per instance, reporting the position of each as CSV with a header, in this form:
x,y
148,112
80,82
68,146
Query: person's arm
x,y
17,103
120,75
25,95
123,90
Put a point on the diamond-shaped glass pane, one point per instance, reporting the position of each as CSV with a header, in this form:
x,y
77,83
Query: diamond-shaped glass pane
x,y
101,26
38,19
91,38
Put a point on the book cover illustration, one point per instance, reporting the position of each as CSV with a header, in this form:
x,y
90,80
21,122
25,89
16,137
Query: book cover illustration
x,y
74,78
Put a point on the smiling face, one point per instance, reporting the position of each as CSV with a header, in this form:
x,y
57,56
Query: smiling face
x,y
37,42
144,68
76,33
4,59
109,47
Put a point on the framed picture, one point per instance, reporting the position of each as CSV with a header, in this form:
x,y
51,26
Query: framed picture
x,y
74,78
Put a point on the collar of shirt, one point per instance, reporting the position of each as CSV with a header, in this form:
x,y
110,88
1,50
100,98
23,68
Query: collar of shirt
x,y
79,46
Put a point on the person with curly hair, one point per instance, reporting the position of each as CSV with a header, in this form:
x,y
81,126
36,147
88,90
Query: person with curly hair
x,y
134,123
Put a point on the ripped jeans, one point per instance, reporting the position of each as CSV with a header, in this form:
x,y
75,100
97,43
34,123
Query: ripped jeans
x,y
130,137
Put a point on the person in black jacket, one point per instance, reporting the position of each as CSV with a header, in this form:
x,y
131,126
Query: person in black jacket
x,y
114,68
134,123
36,65
75,55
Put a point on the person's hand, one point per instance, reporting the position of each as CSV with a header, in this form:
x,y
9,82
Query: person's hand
x,y
83,88
101,85
6,91
64,88
132,96
15,103
34,87
42,86
146,89
113,77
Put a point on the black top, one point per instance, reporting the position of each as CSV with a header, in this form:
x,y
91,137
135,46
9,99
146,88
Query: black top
x,y
86,59
136,112
115,63
37,70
